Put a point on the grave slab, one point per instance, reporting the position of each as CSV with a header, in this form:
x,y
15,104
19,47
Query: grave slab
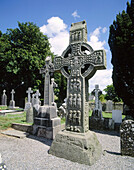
x,y
15,133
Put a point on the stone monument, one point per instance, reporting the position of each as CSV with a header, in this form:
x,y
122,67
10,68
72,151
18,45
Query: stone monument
x,y
12,102
109,106
36,102
97,120
97,112
28,107
76,142
4,98
127,138
46,122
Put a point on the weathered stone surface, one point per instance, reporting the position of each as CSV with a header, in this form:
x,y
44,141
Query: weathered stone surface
x,y
48,132
109,106
46,122
4,98
127,138
47,112
78,66
12,102
117,116
29,115
83,148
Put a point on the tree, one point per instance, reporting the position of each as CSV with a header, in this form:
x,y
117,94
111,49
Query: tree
x,y
121,42
22,53
111,94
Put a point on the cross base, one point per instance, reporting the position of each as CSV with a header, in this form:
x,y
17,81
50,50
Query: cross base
x,y
12,104
46,122
83,148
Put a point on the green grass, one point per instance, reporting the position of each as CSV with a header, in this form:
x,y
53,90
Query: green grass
x,y
63,120
106,115
6,121
3,107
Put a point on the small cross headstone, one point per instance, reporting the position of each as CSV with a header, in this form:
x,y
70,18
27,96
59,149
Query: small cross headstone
x,y
4,98
37,94
12,102
28,107
29,91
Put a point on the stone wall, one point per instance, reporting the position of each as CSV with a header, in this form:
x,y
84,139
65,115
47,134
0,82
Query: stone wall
x,y
116,106
127,137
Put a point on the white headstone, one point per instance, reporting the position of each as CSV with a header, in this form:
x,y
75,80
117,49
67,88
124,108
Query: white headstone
x,y
117,116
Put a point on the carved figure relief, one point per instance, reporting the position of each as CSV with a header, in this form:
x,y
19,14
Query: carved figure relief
x,y
70,100
74,100
78,101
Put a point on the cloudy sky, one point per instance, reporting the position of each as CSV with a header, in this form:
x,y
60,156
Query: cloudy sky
x,y
54,18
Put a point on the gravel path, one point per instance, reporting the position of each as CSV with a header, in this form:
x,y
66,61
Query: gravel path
x,y
31,153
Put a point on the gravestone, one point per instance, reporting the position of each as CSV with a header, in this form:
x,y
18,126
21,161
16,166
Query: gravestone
x,y
28,104
12,102
4,98
96,120
117,116
127,138
76,142
28,107
46,122
109,106
36,104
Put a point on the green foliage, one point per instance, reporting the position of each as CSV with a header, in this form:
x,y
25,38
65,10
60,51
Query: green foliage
x,y
102,98
111,94
62,84
121,42
22,53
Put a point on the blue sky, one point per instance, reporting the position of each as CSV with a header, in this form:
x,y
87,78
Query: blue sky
x,y
54,18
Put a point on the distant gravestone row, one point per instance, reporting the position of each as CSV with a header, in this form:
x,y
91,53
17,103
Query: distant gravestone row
x,y
4,99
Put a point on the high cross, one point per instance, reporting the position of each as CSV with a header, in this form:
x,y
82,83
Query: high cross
x,y
97,92
78,63
29,91
47,70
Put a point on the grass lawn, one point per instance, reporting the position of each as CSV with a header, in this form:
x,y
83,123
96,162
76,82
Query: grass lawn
x,y
106,115
6,121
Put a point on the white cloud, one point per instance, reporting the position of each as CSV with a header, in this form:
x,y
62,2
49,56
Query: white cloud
x,y
94,39
102,78
75,14
104,30
58,34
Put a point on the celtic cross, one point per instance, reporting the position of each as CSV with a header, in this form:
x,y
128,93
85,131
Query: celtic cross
x,y
78,63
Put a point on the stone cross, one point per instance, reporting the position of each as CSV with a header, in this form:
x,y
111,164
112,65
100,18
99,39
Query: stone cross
x,y
53,85
4,98
37,94
97,92
47,70
12,94
29,91
78,66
